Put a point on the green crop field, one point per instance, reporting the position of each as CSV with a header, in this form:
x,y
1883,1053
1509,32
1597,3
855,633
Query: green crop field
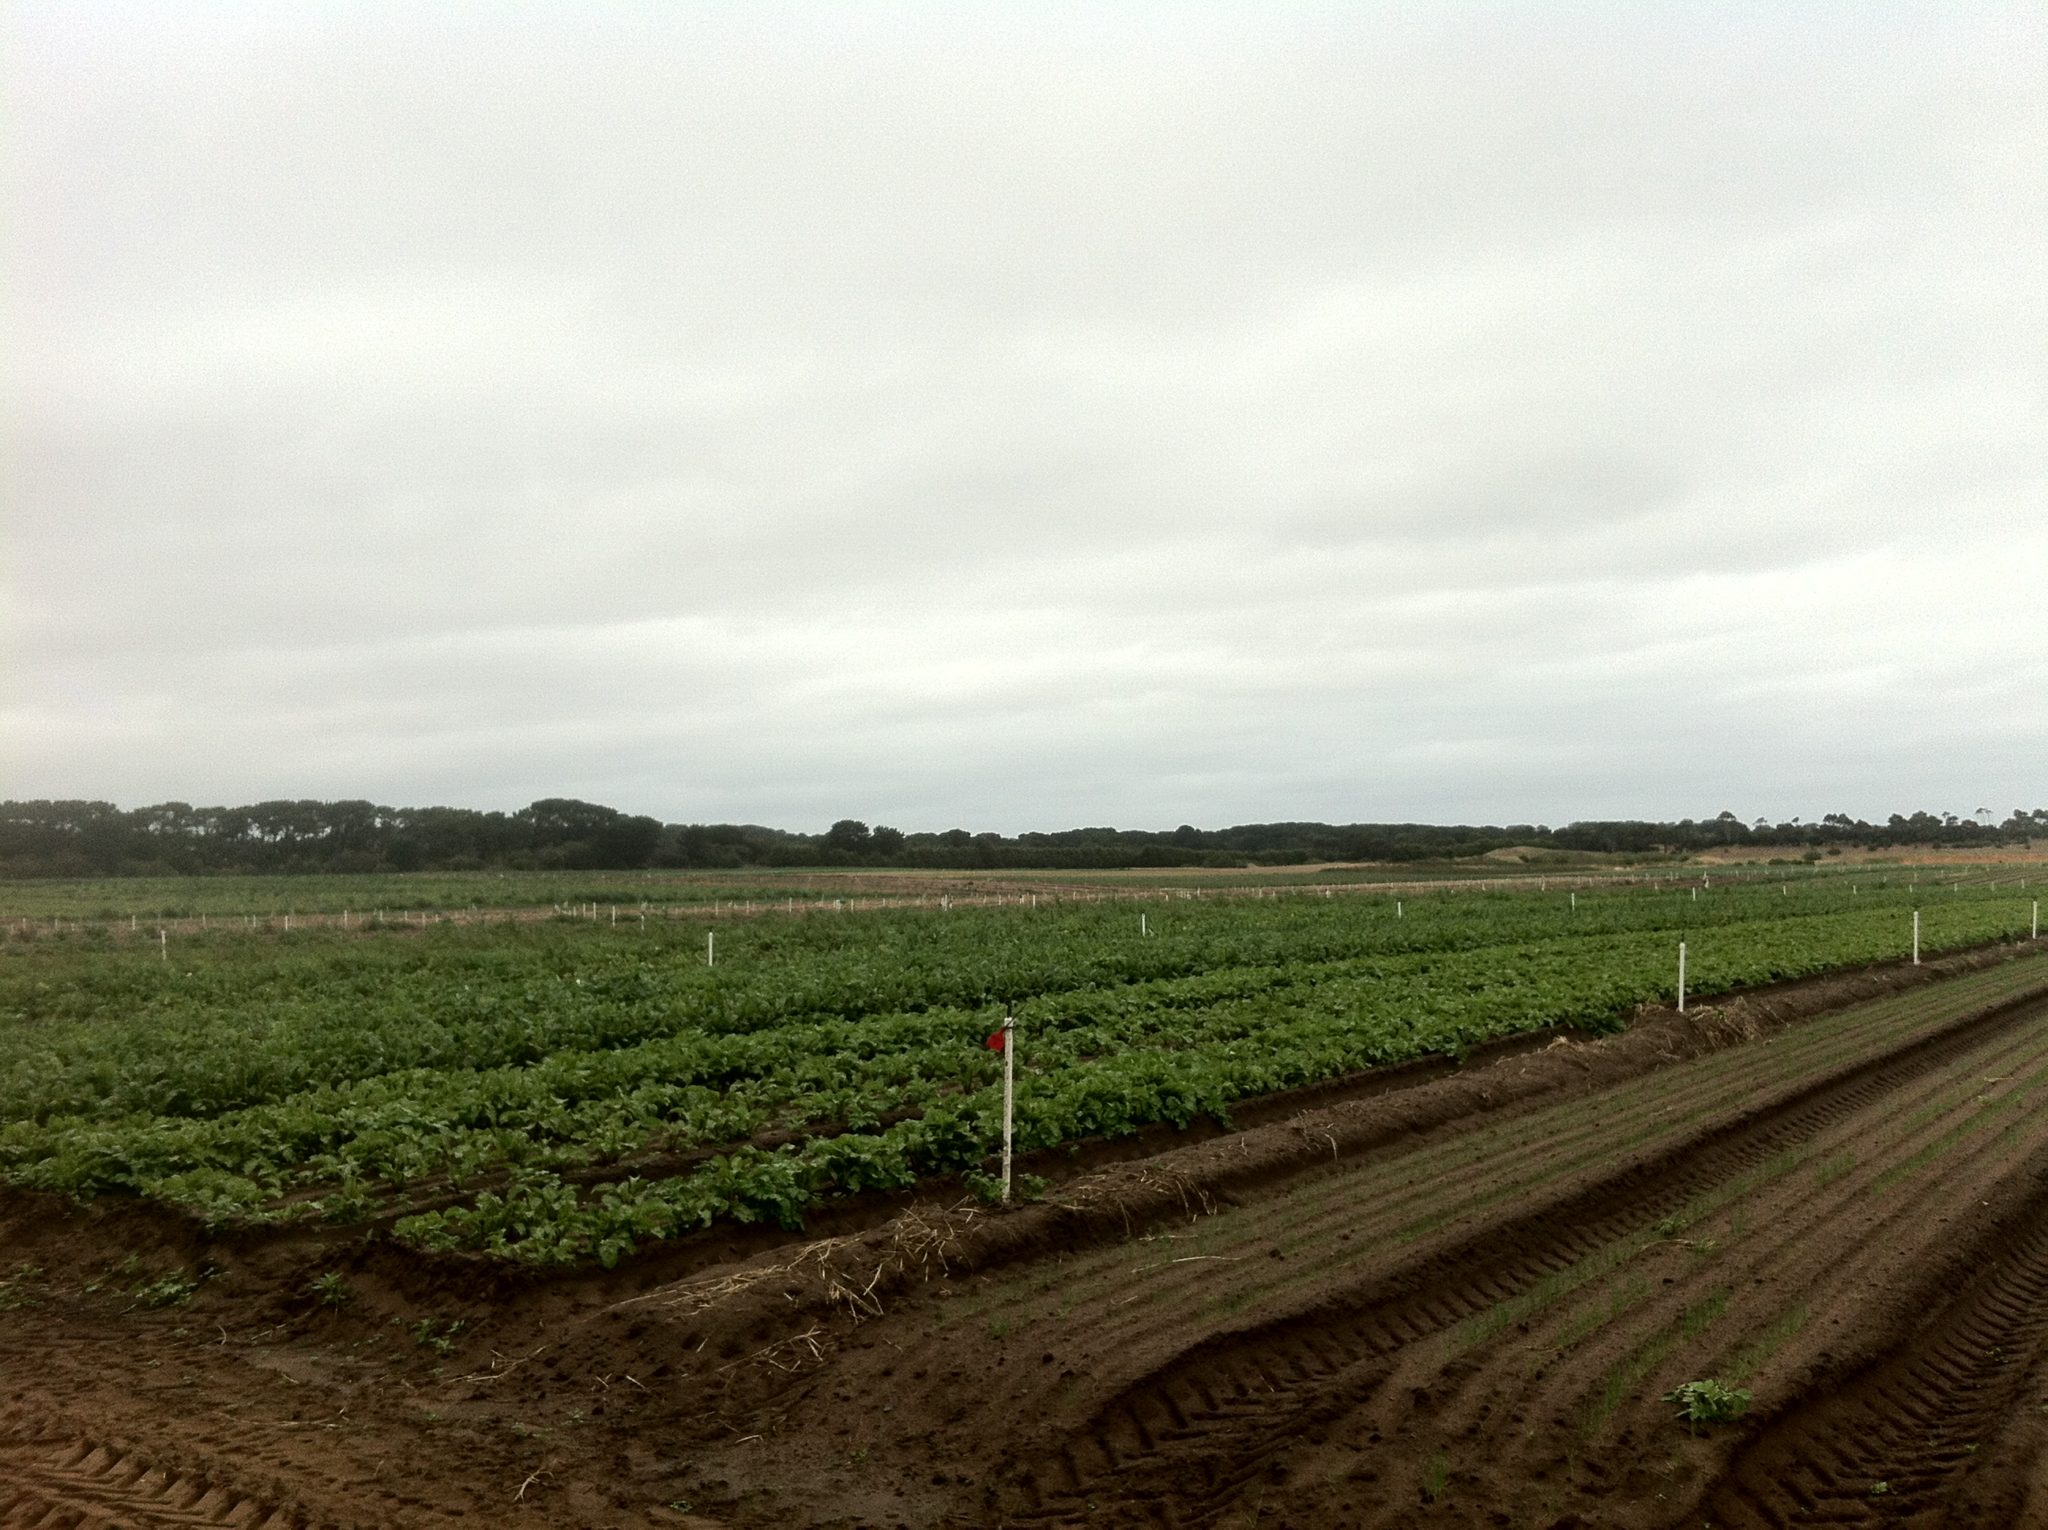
x,y
569,1089
100,899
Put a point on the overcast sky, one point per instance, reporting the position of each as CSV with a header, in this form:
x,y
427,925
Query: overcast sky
x,y
1028,416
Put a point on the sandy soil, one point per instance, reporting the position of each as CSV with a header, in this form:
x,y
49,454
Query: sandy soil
x,y
1459,1301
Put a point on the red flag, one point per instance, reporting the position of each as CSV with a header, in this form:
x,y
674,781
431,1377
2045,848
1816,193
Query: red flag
x,y
996,1041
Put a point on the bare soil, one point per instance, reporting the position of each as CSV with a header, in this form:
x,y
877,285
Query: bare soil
x,y
1458,1299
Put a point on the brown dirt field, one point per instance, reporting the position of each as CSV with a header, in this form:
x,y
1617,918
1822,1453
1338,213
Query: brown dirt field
x,y
1458,1302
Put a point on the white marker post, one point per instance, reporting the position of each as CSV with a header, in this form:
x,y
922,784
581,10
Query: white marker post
x,y
163,945
1144,925
1397,910
1916,937
1575,903
1009,1099
1681,977
711,948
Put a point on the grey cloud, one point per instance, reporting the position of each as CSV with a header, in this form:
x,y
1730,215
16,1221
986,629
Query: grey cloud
x,y
1134,415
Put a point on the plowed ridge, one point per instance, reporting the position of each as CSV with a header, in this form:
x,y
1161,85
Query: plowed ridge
x,y
1565,1261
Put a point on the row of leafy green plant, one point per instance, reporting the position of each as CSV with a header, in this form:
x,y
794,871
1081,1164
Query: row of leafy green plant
x,y
552,1096
234,1024
270,897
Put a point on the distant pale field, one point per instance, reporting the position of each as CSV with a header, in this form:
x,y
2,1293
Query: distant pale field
x,y
2033,853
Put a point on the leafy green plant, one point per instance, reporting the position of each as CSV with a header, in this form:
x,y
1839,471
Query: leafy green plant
x,y
438,1334
26,1287
330,1289
1709,1401
989,1187
465,1088
171,1290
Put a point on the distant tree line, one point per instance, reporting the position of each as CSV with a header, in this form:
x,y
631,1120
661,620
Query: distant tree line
x,y
71,839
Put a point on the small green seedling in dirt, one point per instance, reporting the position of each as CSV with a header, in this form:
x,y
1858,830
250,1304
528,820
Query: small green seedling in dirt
x,y
1709,1402
24,1288
1879,1489
330,1289
1436,1477
989,1187
438,1334
170,1290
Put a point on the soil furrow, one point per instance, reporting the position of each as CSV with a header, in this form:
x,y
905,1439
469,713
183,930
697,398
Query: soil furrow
x,y
1490,1266
1896,1443
1507,1162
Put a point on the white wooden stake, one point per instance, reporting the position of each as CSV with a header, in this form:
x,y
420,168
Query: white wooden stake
x,y
1681,977
1397,910
711,948
163,945
1916,937
615,913
1009,1099
1575,902
131,921
1695,895
1144,927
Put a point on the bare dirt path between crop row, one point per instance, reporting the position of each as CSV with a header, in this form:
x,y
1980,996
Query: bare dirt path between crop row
x,y
1458,1303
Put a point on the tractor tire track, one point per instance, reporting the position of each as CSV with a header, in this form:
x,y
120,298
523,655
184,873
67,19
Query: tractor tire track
x,y
1225,1414
1777,1250
49,1477
1896,1444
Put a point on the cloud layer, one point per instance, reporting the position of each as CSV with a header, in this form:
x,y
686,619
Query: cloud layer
x,y
1139,416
